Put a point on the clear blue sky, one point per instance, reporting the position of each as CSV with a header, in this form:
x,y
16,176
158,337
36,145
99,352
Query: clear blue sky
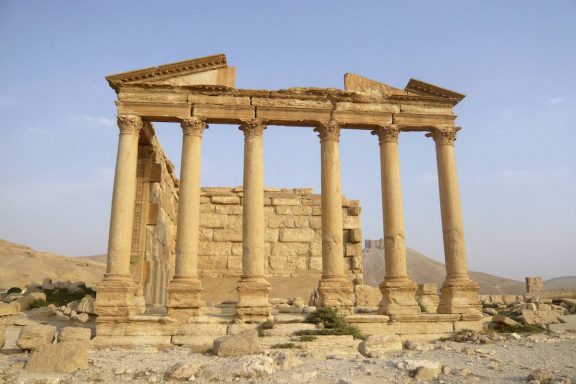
x,y
516,153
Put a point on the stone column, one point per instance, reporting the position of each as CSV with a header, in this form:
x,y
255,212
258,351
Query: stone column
x,y
459,293
398,291
252,287
185,288
116,293
334,288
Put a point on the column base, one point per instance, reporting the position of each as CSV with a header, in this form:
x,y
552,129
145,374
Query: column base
x,y
336,292
184,298
116,299
253,305
398,297
459,296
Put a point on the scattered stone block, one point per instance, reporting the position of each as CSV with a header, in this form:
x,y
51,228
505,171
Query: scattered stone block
x,y
534,284
74,334
86,305
501,319
58,358
244,343
541,317
34,336
26,300
377,346
541,375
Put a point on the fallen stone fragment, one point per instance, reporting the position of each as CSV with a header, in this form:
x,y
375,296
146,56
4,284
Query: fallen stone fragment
x,y
27,300
80,317
542,317
501,319
427,373
184,371
74,334
377,346
248,367
411,365
9,309
58,358
86,305
34,336
420,346
2,334
244,343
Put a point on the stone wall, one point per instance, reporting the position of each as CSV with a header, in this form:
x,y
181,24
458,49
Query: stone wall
x,y
154,231
293,233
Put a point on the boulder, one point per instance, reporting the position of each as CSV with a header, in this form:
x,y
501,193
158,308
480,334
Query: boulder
x,y
244,343
541,375
86,305
377,346
74,334
58,358
7,309
47,285
34,336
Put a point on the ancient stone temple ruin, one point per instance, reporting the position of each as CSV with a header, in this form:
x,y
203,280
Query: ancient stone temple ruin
x,y
169,237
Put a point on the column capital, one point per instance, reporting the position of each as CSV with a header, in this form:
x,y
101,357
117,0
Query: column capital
x,y
387,133
129,124
252,128
193,126
328,130
443,137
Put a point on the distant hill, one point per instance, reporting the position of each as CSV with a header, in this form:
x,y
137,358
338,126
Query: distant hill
x,y
422,269
21,265
560,282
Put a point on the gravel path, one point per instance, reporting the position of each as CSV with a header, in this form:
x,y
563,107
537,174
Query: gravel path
x,y
507,361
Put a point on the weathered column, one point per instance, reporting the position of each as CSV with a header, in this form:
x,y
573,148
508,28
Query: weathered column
x,y
334,289
116,292
459,293
398,291
252,287
185,288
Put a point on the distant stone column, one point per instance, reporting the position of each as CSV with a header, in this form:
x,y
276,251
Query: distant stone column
x,y
335,290
398,291
252,287
185,288
116,292
459,292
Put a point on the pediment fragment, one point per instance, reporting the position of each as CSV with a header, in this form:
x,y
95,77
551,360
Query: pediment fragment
x,y
210,70
422,88
360,84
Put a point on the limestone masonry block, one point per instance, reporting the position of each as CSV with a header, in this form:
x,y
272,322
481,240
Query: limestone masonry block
x,y
297,235
227,200
285,201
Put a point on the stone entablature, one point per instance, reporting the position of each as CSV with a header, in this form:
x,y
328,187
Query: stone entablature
x,y
292,233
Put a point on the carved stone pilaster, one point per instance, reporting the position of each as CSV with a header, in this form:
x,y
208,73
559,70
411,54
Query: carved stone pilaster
x,y
253,128
328,130
443,137
129,124
387,133
193,126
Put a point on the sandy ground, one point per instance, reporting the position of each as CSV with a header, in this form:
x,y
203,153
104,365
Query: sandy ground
x,y
506,361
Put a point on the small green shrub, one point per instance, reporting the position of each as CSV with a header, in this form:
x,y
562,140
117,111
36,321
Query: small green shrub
x,y
14,290
308,338
284,346
37,303
334,324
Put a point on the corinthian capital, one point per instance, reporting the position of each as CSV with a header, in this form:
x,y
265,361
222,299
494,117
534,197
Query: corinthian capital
x,y
129,124
443,137
252,128
387,133
328,130
193,126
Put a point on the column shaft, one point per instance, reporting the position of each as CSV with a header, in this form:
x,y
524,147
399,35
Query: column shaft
x,y
334,288
184,290
398,291
459,293
123,198
189,200
252,287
